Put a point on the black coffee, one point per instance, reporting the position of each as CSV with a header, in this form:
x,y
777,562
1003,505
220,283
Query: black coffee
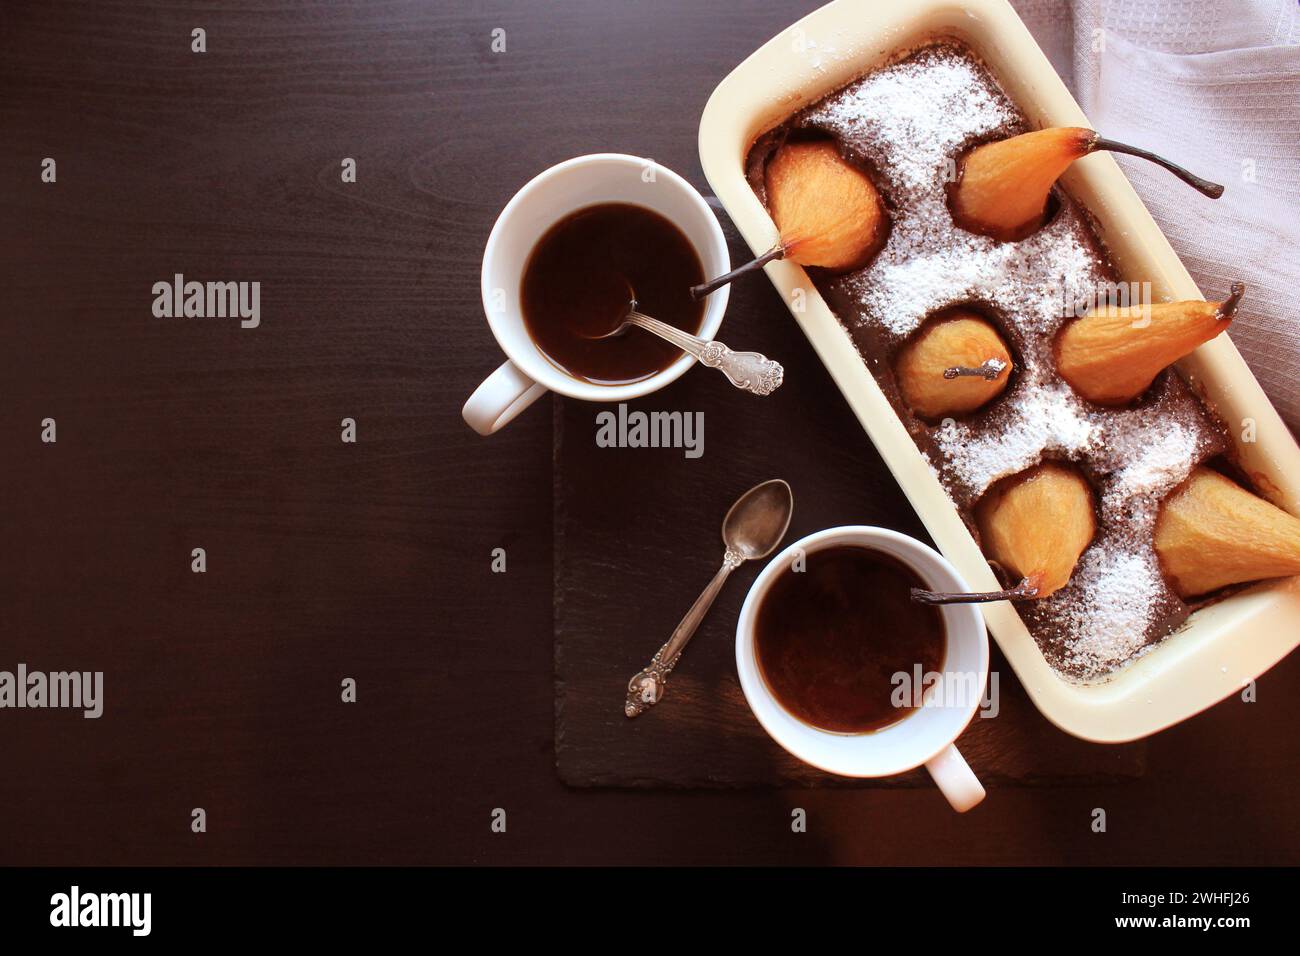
x,y
581,277
829,639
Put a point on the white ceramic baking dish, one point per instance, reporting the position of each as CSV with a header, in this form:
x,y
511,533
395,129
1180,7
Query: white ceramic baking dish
x,y
1222,647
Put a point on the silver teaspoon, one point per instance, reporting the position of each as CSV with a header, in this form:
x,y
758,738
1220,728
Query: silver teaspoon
x,y
752,529
751,371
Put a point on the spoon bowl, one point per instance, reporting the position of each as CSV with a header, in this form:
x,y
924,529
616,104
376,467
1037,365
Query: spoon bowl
x,y
624,321
759,519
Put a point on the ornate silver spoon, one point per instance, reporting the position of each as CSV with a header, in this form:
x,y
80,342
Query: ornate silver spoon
x,y
751,371
752,529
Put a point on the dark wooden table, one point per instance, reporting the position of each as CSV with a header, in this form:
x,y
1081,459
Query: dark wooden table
x,y
328,560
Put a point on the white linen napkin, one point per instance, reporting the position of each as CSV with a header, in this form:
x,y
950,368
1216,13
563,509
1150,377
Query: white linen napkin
x,y
1215,86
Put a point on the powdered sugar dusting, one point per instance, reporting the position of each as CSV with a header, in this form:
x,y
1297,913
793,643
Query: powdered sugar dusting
x,y
1048,419
909,122
892,106
1102,615
1154,461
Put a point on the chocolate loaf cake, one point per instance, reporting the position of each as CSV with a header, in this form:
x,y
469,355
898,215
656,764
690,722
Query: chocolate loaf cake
x,y
907,124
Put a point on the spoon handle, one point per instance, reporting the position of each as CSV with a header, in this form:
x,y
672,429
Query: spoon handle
x,y
751,371
647,688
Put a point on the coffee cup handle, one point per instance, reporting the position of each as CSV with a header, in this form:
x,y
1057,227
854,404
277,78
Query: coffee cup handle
x,y
955,779
503,395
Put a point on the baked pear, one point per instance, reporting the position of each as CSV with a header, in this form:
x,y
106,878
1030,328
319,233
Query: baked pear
x,y
954,366
1111,355
1037,524
1002,187
1211,532
828,211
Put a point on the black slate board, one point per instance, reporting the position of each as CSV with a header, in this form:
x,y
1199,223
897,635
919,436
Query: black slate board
x,y
637,536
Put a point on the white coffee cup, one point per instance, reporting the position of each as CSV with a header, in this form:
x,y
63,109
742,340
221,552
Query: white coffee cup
x,y
548,198
924,736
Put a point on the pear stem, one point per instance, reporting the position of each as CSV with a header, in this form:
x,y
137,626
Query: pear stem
x,y
700,291
1228,307
1021,592
989,371
1203,186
